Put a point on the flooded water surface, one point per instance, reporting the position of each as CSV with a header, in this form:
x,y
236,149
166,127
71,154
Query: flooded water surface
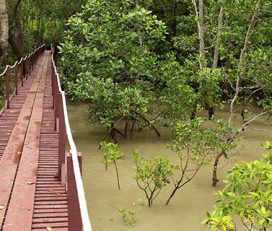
x,y
187,209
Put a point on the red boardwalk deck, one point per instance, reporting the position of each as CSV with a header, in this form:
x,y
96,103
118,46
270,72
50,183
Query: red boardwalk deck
x,y
31,196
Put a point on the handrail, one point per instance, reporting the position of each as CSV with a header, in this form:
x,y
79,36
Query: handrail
x,y
74,153
22,59
25,65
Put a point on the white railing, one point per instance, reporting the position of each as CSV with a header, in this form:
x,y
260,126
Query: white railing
x,y
74,154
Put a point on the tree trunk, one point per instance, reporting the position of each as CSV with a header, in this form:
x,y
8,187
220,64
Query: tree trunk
x,y
218,38
149,202
4,28
15,31
16,44
126,128
149,123
215,167
117,175
171,196
201,34
112,133
210,111
199,11
242,58
174,15
229,140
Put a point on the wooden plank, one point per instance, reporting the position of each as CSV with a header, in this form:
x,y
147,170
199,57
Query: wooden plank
x,y
55,229
51,196
23,194
11,155
52,225
49,219
54,210
10,160
50,215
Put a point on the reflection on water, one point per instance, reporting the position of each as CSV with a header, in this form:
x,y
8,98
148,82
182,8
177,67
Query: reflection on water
x,y
188,207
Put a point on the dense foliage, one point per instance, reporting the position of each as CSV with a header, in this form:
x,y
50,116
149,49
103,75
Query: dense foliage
x,y
32,23
112,60
127,63
246,199
135,67
164,62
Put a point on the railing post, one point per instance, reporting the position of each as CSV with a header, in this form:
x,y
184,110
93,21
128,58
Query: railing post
x,y
52,76
16,79
53,87
7,83
22,73
26,68
35,57
53,82
56,100
32,63
74,216
62,137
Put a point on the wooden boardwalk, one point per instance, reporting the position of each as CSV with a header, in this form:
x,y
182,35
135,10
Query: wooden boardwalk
x,y
32,194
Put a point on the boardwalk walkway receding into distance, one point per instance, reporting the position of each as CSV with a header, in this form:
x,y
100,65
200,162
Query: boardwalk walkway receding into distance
x,y
38,187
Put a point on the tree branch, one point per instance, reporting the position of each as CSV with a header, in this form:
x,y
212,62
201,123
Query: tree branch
x,y
242,57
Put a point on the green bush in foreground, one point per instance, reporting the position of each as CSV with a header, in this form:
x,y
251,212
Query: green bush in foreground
x,y
246,200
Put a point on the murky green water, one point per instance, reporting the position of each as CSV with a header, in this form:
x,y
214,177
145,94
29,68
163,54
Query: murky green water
x,y
187,208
